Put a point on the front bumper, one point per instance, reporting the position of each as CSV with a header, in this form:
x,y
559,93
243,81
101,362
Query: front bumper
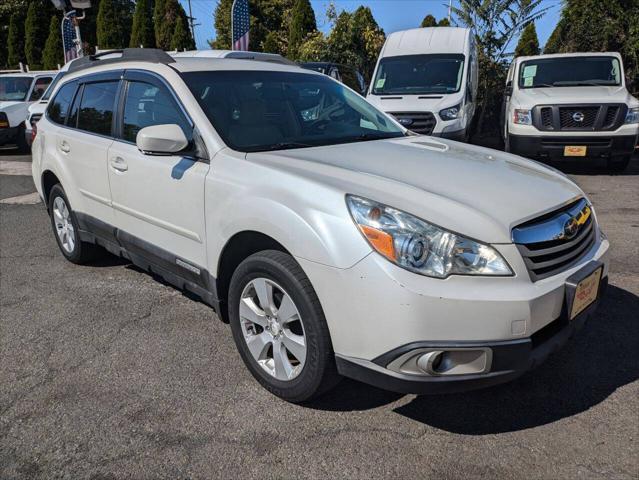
x,y
8,135
552,147
376,311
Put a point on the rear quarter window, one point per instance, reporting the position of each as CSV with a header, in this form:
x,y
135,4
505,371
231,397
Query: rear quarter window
x,y
59,106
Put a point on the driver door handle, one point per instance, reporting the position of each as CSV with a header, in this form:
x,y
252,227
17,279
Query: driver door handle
x,y
118,163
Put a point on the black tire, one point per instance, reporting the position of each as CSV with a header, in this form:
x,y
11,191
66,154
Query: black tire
x,y
21,141
82,252
618,164
319,372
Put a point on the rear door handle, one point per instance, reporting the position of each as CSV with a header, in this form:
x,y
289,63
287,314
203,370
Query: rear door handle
x,y
65,147
119,164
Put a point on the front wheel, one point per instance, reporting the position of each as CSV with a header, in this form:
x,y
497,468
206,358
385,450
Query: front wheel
x,y
279,327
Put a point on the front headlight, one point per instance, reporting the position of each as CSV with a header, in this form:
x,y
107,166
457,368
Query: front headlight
x,y
522,117
632,116
421,247
450,113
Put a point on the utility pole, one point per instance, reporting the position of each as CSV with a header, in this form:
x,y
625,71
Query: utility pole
x,y
450,8
191,21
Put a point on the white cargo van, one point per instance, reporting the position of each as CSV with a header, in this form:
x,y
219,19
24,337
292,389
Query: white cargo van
x,y
427,79
570,106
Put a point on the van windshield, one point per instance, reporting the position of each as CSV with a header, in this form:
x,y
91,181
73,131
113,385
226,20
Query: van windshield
x,y
14,89
570,72
255,111
419,74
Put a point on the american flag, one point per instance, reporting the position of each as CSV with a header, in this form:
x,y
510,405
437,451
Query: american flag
x,y
69,37
240,21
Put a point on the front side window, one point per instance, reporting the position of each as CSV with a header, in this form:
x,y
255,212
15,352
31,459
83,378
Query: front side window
x,y
146,105
39,87
570,72
61,103
264,110
419,74
96,107
51,87
14,89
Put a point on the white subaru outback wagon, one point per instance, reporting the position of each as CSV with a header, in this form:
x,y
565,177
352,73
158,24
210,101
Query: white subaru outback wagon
x,y
333,241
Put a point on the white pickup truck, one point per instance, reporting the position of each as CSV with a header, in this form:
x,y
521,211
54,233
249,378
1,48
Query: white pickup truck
x,y
17,92
570,106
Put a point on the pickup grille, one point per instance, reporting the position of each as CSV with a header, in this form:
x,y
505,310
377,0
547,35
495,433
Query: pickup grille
x,y
418,122
579,118
556,241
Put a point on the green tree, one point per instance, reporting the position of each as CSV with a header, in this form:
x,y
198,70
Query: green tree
x,y
35,32
528,42
314,49
553,44
15,41
114,23
302,24
429,21
444,22
182,38
495,23
158,16
222,22
52,55
142,29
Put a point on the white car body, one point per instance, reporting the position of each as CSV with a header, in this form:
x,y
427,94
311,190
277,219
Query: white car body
x,y
377,312
413,107
17,111
600,137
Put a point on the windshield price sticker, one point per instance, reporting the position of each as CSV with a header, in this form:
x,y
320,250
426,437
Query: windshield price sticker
x,y
528,81
530,71
380,83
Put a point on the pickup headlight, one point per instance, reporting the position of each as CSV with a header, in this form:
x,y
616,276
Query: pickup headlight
x,y
450,113
632,116
522,117
421,247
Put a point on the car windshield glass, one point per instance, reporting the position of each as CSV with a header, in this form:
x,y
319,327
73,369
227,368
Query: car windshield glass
x,y
265,110
570,72
49,91
419,74
14,89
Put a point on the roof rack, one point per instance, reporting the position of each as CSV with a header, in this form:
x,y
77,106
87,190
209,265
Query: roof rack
x,y
153,55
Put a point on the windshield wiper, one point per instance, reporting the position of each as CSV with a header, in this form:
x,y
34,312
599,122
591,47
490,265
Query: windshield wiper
x,y
369,136
591,83
285,146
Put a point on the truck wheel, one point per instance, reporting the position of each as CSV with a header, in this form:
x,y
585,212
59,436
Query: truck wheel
x,y
66,230
279,327
618,164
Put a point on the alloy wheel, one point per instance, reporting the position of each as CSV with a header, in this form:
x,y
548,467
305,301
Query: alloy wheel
x,y
63,225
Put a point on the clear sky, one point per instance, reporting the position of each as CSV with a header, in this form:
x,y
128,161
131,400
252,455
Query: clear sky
x,y
391,15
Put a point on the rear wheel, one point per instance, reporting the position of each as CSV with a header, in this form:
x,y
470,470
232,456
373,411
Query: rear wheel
x,y
618,164
279,327
66,230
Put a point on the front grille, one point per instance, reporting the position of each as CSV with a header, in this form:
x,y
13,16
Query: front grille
x,y
585,141
549,245
418,122
577,118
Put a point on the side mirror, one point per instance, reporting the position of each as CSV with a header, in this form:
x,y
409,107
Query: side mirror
x,y
508,91
161,139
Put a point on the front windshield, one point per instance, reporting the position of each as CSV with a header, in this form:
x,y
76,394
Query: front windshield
x,y
257,111
419,74
570,72
14,89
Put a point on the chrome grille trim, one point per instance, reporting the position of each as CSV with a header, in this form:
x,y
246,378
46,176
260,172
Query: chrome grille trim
x,y
421,122
543,244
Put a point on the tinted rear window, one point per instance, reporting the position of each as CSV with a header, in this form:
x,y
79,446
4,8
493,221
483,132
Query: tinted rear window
x,y
96,107
59,106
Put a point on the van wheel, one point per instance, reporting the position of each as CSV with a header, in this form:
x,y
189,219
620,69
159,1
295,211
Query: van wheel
x,y
618,164
279,327
66,230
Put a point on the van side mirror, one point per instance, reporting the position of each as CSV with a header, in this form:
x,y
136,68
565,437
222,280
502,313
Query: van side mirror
x,y
161,139
508,91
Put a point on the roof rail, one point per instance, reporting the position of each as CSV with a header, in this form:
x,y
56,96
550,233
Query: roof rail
x,y
153,55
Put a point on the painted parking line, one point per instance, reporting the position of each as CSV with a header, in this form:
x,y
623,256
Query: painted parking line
x,y
15,168
28,199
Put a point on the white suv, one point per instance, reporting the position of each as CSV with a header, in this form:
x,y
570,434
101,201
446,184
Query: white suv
x,y
332,240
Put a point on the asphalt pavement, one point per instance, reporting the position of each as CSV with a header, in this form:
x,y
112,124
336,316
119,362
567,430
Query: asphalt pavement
x,y
107,373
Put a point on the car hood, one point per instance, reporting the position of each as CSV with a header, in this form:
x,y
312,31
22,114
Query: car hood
x,y
413,103
10,106
478,192
569,95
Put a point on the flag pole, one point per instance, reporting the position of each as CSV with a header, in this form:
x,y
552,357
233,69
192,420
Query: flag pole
x,y
232,29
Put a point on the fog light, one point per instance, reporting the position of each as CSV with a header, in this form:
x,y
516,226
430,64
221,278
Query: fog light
x,y
443,362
